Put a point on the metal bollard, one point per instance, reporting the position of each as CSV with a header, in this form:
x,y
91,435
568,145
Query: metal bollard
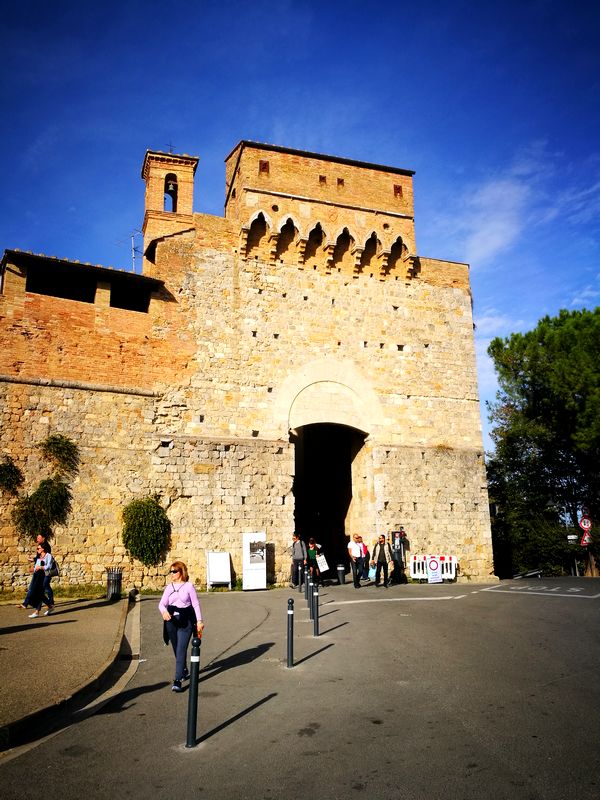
x,y
290,634
193,692
310,597
306,583
301,579
316,611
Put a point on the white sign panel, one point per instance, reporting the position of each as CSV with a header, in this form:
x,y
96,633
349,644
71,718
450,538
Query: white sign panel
x,y
434,570
218,568
254,562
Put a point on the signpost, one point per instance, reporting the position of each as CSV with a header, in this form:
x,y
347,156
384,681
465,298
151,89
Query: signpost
x,y
585,523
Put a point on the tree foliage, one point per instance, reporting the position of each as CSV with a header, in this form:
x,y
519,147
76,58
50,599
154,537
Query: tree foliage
x,y
50,503
45,507
547,436
146,531
61,452
11,476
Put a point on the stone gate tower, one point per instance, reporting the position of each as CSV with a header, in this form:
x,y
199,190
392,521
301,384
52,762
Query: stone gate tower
x,y
297,366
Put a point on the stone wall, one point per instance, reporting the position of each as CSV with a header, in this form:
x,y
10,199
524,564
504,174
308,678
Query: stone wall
x,y
213,491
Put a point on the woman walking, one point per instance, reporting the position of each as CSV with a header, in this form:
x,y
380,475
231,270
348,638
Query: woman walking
x,y
37,591
313,551
181,612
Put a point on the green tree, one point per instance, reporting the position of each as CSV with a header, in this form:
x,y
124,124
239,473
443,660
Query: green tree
x,y
146,531
547,437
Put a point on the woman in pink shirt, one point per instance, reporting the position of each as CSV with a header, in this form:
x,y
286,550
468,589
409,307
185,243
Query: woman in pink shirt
x,y
181,612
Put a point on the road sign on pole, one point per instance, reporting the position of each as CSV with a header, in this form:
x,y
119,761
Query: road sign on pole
x,y
585,523
585,539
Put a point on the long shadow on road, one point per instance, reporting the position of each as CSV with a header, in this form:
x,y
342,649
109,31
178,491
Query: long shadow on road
x,y
236,660
235,718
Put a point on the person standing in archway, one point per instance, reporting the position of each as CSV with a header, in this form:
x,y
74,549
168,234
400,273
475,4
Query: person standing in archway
x,y
355,552
365,557
298,560
381,558
311,559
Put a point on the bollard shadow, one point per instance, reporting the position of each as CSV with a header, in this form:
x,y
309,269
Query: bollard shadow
x,y
235,660
341,625
235,718
124,700
311,655
327,613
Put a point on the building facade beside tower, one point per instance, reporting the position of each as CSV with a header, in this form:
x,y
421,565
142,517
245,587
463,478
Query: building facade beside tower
x,y
292,365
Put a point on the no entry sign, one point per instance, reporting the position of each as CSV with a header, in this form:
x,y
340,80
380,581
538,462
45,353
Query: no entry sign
x,y
434,570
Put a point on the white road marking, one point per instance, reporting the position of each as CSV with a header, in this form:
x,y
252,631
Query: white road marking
x,y
390,600
525,590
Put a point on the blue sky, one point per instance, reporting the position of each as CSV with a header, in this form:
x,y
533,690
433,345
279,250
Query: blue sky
x,y
496,106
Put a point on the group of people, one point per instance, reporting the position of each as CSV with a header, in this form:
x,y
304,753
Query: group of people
x,y
303,556
40,592
381,559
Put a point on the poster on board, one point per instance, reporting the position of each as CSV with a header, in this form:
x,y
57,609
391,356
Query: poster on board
x,y
254,562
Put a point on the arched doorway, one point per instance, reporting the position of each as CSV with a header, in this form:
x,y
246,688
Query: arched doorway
x,y
322,488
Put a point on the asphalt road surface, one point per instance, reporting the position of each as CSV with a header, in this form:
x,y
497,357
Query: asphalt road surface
x,y
447,691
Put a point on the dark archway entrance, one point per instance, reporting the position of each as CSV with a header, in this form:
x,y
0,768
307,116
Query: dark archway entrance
x,y
323,485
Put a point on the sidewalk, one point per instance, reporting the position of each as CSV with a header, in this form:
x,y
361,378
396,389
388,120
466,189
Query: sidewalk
x,y
48,661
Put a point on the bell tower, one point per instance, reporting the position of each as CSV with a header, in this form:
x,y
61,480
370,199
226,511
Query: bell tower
x,y
169,194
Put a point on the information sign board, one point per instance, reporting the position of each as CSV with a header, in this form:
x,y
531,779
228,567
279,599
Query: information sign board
x,y
254,562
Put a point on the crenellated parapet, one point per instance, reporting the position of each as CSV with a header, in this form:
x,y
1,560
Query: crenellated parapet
x,y
376,253
320,212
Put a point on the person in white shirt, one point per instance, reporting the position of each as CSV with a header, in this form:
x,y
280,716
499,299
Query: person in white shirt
x,y
355,552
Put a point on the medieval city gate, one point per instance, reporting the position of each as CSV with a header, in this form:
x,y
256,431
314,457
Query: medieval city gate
x,y
298,339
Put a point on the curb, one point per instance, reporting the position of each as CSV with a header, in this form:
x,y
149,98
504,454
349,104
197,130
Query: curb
x,y
40,723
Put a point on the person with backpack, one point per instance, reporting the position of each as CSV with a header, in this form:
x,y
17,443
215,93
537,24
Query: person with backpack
x,y
40,539
37,596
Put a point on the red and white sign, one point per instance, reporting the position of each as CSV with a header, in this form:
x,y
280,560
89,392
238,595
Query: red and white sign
x,y
434,570
585,539
585,523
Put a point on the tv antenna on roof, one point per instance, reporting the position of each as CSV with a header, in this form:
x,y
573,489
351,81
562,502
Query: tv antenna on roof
x,y
134,250
170,146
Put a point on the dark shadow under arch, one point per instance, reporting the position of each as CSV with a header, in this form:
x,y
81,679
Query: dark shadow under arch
x,y
323,485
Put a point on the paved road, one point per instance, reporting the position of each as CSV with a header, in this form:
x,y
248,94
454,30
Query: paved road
x,y
415,692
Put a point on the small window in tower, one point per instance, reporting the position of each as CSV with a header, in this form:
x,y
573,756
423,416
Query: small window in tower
x,y
170,193
263,167
340,183
322,180
233,193
397,190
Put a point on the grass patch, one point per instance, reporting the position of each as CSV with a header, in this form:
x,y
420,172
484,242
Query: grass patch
x,y
85,591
